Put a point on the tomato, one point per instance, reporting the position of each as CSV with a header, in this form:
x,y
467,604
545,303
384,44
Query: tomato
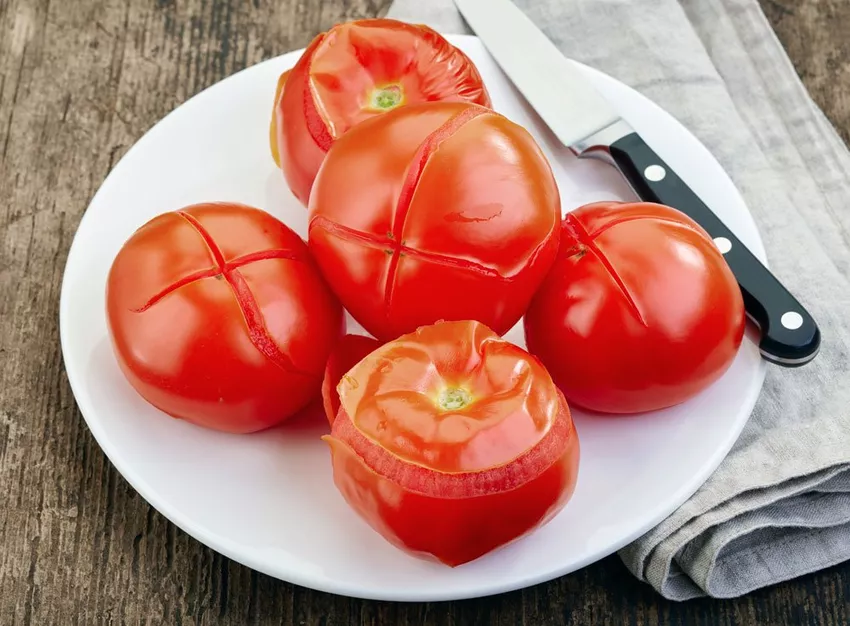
x,y
640,311
281,81
218,316
451,442
435,211
349,351
356,71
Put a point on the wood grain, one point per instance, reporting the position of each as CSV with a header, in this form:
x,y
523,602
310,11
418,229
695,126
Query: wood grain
x,y
80,81
816,35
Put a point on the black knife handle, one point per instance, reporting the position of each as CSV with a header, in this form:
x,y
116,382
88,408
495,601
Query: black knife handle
x,y
790,336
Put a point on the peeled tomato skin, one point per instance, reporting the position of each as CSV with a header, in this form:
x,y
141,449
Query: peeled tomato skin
x,y
453,530
348,351
331,88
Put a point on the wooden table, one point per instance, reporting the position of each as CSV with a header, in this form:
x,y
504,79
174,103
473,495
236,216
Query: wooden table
x,y
80,81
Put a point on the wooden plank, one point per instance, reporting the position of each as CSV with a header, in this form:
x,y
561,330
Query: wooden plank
x,y
79,83
816,35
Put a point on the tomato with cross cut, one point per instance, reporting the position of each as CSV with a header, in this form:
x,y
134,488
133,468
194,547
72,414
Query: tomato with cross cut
x,y
435,211
640,311
219,316
356,71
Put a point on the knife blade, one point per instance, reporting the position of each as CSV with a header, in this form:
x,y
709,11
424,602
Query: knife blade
x,y
585,122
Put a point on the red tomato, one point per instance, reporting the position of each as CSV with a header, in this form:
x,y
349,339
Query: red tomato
x,y
451,442
358,70
347,353
218,316
640,311
439,211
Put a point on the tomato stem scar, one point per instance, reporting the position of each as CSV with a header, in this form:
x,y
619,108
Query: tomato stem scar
x,y
454,398
386,98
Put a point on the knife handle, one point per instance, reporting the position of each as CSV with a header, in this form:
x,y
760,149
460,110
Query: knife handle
x,y
790,336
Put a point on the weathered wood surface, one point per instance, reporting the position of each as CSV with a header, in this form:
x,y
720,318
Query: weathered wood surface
x,y
80,81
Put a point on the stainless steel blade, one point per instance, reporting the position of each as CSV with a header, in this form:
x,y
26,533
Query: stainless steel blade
x,y
552,83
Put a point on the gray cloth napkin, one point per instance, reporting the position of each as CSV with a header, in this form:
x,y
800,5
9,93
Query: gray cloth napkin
x,y
779,504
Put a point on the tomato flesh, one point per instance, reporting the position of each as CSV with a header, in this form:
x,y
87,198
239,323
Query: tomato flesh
x,y
372,66
452,442
281,81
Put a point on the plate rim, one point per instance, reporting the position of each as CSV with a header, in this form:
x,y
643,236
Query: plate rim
x,y
225,547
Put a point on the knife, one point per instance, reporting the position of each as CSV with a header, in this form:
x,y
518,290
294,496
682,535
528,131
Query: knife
x,y
589,126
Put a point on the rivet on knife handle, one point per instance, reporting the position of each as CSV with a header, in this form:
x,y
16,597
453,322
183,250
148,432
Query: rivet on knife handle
x,y
790,336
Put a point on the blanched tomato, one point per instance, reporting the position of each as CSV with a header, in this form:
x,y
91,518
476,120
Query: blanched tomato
x,y
640,311
439,211
347,353
451,442
218,316
358,70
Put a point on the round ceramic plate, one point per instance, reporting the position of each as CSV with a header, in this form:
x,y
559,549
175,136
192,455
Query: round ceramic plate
x,y
267,500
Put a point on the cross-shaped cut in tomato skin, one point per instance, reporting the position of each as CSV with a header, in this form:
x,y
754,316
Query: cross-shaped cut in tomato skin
x,y
332,86
643,294
453,484
435,211
218,315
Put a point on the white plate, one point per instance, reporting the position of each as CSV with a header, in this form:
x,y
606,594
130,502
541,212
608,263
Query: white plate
x,y
267,500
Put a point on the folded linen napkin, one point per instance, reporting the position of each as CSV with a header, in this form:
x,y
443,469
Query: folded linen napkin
x,y
779,504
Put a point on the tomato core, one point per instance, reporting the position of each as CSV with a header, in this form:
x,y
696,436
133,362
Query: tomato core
x,y
454,398
386,98
365,67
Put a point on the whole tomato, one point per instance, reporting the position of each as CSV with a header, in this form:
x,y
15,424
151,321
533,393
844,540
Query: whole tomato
x,y
358,70
451,442
640,311
435,211
218,316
